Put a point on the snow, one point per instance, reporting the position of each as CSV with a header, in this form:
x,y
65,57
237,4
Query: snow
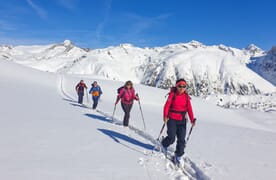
x,y
45,134
217,69
265,65
67,42
266,102
254,50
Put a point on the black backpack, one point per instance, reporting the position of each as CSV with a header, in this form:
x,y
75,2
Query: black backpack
x,y
119,89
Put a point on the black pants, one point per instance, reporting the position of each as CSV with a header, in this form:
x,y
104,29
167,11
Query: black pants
x,y
178,129
80,94
126,109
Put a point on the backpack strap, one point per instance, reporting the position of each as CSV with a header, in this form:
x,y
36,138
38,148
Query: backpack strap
x,y
178,112
183,113
124,93
174,94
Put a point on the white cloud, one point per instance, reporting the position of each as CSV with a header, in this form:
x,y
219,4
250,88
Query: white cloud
x,y
22,41
69,4
142,23
4,25
101,25
40,11
138,23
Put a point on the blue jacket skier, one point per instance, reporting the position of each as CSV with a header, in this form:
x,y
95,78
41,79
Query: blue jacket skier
x,y
96,93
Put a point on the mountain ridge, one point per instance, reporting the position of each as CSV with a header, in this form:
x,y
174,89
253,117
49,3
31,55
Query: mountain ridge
x,y
216,69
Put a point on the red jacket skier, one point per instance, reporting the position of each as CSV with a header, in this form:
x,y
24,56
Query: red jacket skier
x,y
175,109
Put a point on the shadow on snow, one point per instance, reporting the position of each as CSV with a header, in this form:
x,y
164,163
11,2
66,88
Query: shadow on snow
x,y
101,118
118,137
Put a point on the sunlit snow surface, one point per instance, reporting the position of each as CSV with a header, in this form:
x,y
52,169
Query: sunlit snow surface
x,y
45,134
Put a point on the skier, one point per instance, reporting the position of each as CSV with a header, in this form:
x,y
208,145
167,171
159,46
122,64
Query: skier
x,y
175,109
127,95
80,90
96,93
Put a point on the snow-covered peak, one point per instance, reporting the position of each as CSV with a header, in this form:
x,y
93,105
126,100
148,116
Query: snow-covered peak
x,y
126,45
67,43
265,65
5,47
253,47
254,50
196,44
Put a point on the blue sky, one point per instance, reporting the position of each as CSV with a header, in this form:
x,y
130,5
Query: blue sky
x,y
102,23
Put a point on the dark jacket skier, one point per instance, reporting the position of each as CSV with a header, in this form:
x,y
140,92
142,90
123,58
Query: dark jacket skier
x,y
80,90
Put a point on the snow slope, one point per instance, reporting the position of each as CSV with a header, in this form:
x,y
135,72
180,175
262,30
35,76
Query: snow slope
x,y
45,134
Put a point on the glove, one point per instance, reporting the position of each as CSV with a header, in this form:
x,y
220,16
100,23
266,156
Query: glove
x,y
137,97
166,119
193,123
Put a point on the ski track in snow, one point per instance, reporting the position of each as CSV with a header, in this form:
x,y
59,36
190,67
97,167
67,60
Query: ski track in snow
x,y
153,159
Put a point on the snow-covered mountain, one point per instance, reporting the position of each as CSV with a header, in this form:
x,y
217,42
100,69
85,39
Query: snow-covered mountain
x,y
51,58
265,65
254,50
207,69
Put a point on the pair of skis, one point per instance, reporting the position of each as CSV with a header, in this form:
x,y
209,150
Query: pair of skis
x,y
158,147
171,158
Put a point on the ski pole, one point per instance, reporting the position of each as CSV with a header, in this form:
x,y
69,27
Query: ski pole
x,y
113,112
161,131
87,97
190,132
141,112
157,144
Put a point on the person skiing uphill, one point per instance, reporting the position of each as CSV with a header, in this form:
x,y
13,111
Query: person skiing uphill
x,y
80,90
127,95
96,92
175,109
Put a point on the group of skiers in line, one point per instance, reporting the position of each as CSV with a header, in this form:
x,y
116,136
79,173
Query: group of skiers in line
x,y
95,91
174,113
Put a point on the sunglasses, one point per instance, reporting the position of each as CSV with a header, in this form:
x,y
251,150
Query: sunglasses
x,y
181,86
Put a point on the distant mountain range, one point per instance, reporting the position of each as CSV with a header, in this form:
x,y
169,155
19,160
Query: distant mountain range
x,y
217,69
265,65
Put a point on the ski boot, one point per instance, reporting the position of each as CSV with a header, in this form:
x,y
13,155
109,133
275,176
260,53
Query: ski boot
x,y
178,161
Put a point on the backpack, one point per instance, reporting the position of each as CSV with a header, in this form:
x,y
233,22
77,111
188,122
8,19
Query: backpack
x,y
119,89
173,89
